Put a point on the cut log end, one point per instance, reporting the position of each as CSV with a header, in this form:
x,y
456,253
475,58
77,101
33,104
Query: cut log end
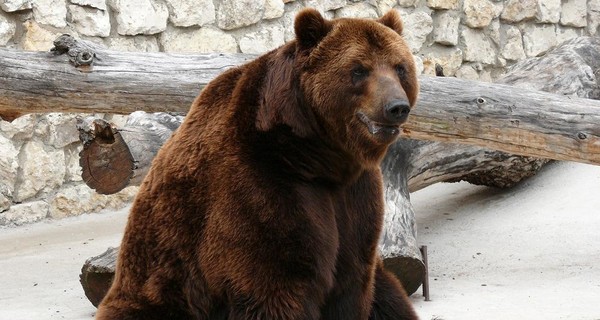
x,y
106,162
97,275
410,271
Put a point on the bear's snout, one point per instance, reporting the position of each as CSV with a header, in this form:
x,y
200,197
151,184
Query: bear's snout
x,y
396,111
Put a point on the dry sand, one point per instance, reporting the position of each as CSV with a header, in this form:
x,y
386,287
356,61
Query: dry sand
x,y
532,252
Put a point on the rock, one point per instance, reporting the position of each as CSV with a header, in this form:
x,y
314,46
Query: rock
x,y
288,19
19,129
408,3
185,13
417,26
445,27
72,167
41,169
263,40
467,72
477,46
133,43
548,11
7,29
4,202
90,21
50,12
564,33
418,64
450,59
383,6
537,39
357,10
8,168
23,213
57,129
203,40
15,5
37,38
478,13
574,13
518,10
593,18
77,199
135,17
98,4
443,4
325,5
233,14
511,43
273,9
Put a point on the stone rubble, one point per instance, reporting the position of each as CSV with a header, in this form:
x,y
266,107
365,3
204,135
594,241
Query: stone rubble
x,y
40,175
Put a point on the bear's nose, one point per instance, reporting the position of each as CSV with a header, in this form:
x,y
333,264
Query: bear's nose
x,y
396,111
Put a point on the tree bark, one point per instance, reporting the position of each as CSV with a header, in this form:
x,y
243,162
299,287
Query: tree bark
x,y
501,117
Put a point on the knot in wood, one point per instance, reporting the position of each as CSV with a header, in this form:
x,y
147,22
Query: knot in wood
x,y
84,58
581,136
480,100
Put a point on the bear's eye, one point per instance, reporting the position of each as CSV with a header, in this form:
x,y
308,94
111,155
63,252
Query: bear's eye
x,y
359,73
401,71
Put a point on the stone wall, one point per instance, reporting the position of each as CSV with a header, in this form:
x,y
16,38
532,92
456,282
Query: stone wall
x,y
39,171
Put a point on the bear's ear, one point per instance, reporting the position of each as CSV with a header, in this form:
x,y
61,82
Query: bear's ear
x,y
393,21
310,28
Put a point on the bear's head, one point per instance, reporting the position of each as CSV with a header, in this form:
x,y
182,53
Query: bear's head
x,y
359,79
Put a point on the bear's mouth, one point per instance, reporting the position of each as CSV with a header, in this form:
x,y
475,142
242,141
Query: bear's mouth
x,y
376,128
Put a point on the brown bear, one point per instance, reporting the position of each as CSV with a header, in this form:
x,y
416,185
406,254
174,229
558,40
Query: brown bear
x,y
267,202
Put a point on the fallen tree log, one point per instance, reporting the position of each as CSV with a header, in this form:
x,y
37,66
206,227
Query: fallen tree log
x,y
410,164
501,117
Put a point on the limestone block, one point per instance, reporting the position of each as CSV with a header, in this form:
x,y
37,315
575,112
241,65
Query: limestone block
x,y
15,5
57,129
417,26
511,43
37,38
518,10
383,6
135,17
548,11
478,13
450,59
185,13
90,21
72,167
23,213
593,18
418,64
8,166
203,40
19,129
443,4
40,169
493,31
273,9
325,5
445,27
537,39
133,43
7,28
291,9
233,14
574,13
408,3
467,72
565,33
357,10
263,40
98,4
477,46
77,199
50,12
4,203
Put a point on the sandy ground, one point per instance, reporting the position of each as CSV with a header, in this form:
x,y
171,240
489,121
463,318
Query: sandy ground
x,y
532,252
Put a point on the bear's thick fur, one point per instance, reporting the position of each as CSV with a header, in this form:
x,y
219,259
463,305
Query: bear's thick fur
x,y
267,202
